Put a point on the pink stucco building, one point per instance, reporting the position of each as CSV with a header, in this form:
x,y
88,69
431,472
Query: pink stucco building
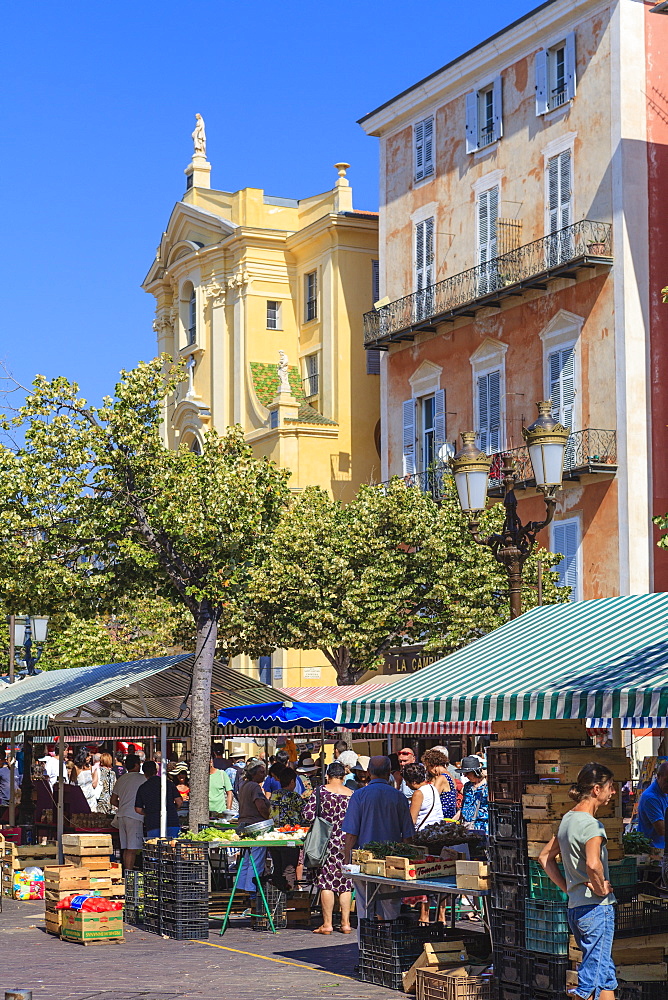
x,y
523,247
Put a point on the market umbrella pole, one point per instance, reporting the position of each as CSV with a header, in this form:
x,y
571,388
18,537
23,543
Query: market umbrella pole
x,y
60,814
12,783
323,768
163,780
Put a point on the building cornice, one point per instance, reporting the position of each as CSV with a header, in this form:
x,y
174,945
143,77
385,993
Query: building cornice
x,y
461,74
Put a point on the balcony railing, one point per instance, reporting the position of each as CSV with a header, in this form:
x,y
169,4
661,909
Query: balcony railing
x,y
311,385
589,451
559,255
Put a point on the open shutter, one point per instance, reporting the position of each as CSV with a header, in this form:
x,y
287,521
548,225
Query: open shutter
x,y
472,122
565,539
483,227
562,385
408,409
419,257
494,397
372,361
428,148
497,104
418,136
375,281
553,192
483,412
439,423
570,66
428,252
564,188
542,96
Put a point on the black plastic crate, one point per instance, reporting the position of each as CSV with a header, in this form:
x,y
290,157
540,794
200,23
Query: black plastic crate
x,y
382,970
398,937
634,917
513,991
276,901
183,850
509,964
185,930
183,892
507,929
509,858
506,823
508,893
546,973
509,771
151,867
173,910
184,871
642,991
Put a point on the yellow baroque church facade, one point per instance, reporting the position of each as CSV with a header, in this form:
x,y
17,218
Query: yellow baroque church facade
x,y
263,297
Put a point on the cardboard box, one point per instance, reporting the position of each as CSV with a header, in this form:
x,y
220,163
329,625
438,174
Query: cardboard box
x,y
78,925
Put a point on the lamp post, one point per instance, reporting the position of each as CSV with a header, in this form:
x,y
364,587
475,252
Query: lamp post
x,y
26,631
546,440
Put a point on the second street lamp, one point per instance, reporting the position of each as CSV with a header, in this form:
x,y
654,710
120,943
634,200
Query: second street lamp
x,y
546,440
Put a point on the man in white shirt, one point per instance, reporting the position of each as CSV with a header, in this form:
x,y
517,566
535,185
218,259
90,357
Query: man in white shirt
x,y
50,762
130,825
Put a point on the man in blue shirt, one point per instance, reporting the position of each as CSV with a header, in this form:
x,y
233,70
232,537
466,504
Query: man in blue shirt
x,y
652,808
376,813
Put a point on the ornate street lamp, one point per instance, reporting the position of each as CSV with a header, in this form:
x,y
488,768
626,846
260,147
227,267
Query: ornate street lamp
x,y
546,440
30,630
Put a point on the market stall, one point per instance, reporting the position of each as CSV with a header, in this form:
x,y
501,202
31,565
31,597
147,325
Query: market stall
x,y
538,679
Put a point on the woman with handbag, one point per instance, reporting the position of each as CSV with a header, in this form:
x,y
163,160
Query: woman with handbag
x,y
329,803
426,809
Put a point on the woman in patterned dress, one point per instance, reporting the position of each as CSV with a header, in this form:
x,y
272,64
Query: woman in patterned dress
x,y
437,767
334,796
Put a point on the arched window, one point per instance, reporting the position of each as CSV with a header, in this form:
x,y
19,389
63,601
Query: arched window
x,y
192,318
196,447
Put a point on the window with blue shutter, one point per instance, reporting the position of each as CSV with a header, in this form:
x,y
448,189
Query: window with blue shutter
x,y
423,143
555,75
560,208
488,390
192,318
408,416
484,116
561,370
487,217
566,540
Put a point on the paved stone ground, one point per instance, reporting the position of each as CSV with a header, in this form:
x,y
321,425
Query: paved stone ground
x,y
242,965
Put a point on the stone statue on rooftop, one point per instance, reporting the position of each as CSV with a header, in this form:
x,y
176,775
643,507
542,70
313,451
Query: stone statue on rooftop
x,y
283,368
199,135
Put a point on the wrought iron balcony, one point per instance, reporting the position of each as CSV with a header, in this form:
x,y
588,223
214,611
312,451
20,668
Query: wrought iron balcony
x,y
562,254
589,451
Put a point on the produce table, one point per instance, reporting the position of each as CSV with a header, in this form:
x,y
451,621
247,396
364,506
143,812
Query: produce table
x,y
247,845
398,888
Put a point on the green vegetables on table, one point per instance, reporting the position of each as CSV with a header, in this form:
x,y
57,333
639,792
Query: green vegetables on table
x,y
400,850
636,843
209,834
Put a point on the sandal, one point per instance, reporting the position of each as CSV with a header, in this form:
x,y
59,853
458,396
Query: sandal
x,y
345,930
321,930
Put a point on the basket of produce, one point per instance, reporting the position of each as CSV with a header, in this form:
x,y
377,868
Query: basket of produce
x,y
445,834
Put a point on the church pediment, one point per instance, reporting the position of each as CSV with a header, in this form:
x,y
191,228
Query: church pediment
x,y
189,228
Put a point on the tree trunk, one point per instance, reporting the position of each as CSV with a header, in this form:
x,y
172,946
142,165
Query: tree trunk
x,y
200,714
340,659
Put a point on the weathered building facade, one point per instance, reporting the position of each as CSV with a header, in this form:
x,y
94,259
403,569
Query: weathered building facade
x,y
521,247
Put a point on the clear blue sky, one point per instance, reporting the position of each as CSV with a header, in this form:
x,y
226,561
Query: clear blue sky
x,y
95,120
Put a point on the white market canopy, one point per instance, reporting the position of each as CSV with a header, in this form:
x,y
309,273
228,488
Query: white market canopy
x,y
603,659
127,699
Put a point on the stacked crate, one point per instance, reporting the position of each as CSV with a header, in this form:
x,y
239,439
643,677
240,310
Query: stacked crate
x,y
92,851
61,881
544,805
16,858
134,897
176,889
388,948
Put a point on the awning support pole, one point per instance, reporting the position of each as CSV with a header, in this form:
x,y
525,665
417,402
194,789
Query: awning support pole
x,y
12,782
323,769
60,813
617,733
163,780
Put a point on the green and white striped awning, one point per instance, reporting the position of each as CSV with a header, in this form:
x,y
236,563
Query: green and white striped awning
x,y
133,697
604,659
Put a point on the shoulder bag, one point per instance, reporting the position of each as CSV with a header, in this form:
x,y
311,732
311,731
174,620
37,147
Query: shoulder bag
x,y
316,841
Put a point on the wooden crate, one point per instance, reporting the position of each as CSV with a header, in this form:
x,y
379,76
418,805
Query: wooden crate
x,y
436,955
553,802
478,882
53,921
480,868
648,949
410,869
358,856
67,877
566,764
79,842
548,828
557,729
38,851
643,973
373,867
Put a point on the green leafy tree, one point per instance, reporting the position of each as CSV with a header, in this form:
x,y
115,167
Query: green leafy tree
x,y
94,507
389,567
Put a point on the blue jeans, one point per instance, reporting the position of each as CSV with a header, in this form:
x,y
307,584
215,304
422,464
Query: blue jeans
x,y
172,832
593,928
246,881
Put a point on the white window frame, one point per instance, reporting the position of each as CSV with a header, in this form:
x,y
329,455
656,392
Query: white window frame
x,y
576,592
547,99
307,298
277,325
424,137
490,357
478,138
